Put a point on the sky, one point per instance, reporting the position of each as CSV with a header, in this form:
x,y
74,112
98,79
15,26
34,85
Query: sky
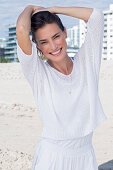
x,y
10,10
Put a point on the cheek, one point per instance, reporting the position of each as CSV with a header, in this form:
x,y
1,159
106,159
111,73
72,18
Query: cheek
x,y
64,43
44,49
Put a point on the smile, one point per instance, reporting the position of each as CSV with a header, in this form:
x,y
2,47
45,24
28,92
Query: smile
x,y
56,53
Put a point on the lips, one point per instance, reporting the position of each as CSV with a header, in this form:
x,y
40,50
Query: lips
x,y
57,52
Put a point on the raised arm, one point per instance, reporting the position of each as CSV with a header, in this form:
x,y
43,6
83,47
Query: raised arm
x,y
23,27
77,12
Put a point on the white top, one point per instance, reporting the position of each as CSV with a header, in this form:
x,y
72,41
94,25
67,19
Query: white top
x,y
66,115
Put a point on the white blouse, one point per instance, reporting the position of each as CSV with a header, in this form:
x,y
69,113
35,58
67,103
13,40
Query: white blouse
x,y
69,105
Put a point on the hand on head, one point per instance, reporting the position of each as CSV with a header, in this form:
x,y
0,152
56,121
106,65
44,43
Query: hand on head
x,y
40,8
37,9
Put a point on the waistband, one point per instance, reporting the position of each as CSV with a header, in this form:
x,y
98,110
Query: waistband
x,y
70,147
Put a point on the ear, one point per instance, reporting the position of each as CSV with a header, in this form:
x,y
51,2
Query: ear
x,y
38,46
36,43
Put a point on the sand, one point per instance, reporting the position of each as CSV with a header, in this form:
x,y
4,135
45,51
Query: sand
x,y
20,125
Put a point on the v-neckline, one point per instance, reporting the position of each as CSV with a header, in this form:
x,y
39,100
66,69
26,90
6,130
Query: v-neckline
x,y
62,74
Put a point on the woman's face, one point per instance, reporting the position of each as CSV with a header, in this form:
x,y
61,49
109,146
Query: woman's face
x,y
51,40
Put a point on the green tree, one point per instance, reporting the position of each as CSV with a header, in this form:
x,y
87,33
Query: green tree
x,y
4,60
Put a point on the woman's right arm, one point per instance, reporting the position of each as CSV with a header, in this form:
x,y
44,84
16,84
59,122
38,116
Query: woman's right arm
x,y
23,27
26,48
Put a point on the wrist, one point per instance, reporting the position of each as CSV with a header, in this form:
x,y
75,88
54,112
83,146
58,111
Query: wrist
x,y
56,9
30,8
53,9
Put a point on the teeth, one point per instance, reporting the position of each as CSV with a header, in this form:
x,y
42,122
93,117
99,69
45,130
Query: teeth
x,y
56,52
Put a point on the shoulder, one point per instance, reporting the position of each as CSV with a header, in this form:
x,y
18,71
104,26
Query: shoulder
x,y
21,52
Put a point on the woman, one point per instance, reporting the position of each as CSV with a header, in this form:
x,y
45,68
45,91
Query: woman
x,y
65,90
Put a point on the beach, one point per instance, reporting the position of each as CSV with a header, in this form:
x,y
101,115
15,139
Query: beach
x,y
20,125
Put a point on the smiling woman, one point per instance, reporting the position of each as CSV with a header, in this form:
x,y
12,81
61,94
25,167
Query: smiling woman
x,y
65,90
54,42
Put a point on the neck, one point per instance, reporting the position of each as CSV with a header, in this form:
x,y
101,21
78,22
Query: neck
x,y
64,66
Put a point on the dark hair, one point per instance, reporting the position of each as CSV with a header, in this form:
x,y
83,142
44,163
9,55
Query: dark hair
x,y
41,18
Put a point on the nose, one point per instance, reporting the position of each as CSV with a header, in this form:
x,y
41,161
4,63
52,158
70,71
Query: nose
x,y
53,46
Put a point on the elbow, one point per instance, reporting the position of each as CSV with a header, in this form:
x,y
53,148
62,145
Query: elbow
x,y
19,29
89,14
97,15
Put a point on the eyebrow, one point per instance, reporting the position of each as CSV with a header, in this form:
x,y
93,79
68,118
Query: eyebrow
x,y
51,37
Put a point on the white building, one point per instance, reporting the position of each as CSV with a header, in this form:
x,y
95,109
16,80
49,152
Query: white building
x,y
82,32
2,47
76,34
11,47
73,36
108,33
2,42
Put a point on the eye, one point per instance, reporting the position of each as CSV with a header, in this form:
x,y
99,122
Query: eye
x,y
43,42
57,36
46,42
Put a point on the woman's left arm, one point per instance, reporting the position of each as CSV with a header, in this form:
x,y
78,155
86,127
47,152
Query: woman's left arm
x,y
77,12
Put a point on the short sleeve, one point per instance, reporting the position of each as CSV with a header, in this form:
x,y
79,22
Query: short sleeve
x,y
29,63
94,40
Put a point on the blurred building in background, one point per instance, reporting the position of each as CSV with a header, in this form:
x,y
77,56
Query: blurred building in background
x,y
73,36
11,46
108,34
2,47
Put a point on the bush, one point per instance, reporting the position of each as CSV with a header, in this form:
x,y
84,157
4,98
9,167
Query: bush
x,y
4,60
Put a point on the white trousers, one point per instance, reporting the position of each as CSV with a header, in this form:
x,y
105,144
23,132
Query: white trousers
x,y
71,154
